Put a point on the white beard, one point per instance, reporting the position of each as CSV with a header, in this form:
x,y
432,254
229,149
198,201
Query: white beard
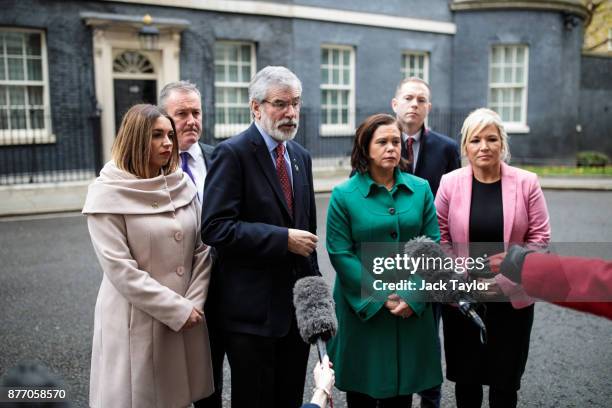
x,y
272,128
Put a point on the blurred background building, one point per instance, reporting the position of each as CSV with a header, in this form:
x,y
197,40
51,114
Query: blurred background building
x,y
69,69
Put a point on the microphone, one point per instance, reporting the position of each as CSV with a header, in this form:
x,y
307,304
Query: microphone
x,y
314,312
436,272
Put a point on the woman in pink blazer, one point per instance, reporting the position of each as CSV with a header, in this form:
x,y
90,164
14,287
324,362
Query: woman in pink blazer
x,y
483,207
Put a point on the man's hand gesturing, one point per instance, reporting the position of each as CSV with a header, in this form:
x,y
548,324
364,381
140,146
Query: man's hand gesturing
x,y
301,242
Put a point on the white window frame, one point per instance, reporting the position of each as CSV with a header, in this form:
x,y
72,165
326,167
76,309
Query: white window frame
x,y
27,136
405,66
225,130
341,129
511,126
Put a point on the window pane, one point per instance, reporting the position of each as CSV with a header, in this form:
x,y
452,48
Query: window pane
x,y
2,65
336,76
35,95
519,74
334,116
246,73
347,58
219,73
518,96
496,75
2,95
508,55
508,75
334,98
18,118
219,95
345,96
232,53
324,76
520,55
346,79
3,119
246,53
324,95
37,120
245,117
34,70
345,116
506,96
244,96
15,68
14,43
234,115
335,57
233,73
505,114
516,117
219,115
16,95
232,96
33,44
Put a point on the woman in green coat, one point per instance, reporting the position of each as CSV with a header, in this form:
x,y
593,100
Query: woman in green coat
x,y
385,348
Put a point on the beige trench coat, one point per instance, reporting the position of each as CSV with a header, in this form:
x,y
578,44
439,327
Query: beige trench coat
x,y
146,234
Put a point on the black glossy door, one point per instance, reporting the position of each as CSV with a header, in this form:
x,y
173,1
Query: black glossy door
x,y
129,92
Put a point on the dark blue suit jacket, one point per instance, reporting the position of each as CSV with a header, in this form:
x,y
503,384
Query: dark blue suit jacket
x,y
245,217
438,155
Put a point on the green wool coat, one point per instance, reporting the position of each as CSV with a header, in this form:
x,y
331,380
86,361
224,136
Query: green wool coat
x,y
375,352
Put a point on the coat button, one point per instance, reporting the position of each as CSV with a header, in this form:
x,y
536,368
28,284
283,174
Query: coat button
x,y
180,271
154,205
393,234
391,210
178,235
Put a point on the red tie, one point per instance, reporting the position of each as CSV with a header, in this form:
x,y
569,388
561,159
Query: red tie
x,y
283,176
410,152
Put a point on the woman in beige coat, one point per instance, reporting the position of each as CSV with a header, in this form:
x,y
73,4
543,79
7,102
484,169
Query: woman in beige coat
x,y
150,343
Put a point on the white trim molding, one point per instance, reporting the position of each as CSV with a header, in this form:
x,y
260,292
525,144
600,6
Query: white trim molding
x,y
265,8
568,6
113,34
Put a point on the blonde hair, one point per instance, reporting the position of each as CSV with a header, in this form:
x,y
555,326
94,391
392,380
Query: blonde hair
x,y
132,147
480,119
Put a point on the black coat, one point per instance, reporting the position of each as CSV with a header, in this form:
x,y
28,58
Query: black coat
x,y
245,217
438,155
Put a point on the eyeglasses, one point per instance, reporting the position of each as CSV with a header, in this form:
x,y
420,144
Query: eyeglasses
x,y
282,105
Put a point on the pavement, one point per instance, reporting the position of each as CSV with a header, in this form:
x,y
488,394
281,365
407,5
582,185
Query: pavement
x,y
49,278
41,198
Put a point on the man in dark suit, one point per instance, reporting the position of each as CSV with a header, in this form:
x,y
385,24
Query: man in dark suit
x,y
182,101
259,214
430,155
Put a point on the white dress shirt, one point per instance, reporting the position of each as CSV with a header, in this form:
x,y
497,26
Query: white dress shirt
x,y
197,165
415,146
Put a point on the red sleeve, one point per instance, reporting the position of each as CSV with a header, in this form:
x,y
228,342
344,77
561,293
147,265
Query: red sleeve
x,y
563,279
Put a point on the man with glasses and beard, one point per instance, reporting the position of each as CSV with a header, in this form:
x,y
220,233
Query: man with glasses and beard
x,y
259,214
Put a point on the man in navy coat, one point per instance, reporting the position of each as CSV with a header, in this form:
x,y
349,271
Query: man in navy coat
x,y
433,154
259,214
430,156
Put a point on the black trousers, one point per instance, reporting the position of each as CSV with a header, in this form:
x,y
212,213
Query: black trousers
x,y
470,396
358,400
267,372
217,354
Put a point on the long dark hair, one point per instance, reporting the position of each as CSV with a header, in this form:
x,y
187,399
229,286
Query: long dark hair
x,y
360,156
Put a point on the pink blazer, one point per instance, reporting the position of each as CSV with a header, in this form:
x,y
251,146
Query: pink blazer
x,y
526,217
